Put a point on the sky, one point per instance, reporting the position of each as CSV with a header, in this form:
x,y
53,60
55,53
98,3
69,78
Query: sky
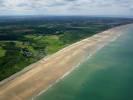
x,y
122,8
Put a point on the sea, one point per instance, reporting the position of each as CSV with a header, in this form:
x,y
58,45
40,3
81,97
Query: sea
x,y
107,75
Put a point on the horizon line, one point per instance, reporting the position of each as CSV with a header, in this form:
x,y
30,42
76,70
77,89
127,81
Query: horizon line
x,y
107,16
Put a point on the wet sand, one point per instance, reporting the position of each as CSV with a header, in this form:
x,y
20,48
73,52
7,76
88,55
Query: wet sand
x,y
46,72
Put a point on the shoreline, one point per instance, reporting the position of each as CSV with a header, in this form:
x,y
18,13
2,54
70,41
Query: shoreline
x,y
74,68
80,53
29,67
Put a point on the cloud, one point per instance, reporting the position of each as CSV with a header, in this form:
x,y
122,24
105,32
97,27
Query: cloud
x,y
1,3
70,0
68,7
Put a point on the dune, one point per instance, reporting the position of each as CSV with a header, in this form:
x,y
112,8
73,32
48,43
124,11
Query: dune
x,y
45,73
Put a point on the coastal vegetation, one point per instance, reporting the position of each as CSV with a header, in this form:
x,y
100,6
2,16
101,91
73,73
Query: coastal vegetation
x,y
24,41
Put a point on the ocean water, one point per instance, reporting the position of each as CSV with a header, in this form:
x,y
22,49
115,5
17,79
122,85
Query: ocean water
x,y
108,75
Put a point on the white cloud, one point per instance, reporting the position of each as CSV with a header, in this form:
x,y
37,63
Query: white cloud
x,y
68,7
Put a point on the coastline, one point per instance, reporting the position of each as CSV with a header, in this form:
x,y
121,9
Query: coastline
x,y
67,73
78,51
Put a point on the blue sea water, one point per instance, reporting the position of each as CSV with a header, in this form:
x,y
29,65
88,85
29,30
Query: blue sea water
x,y
108,75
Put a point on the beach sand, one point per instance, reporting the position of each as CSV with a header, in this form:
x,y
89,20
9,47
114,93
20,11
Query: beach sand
x,y
48,71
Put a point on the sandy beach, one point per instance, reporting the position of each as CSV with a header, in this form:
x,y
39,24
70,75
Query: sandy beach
x,y
46,72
